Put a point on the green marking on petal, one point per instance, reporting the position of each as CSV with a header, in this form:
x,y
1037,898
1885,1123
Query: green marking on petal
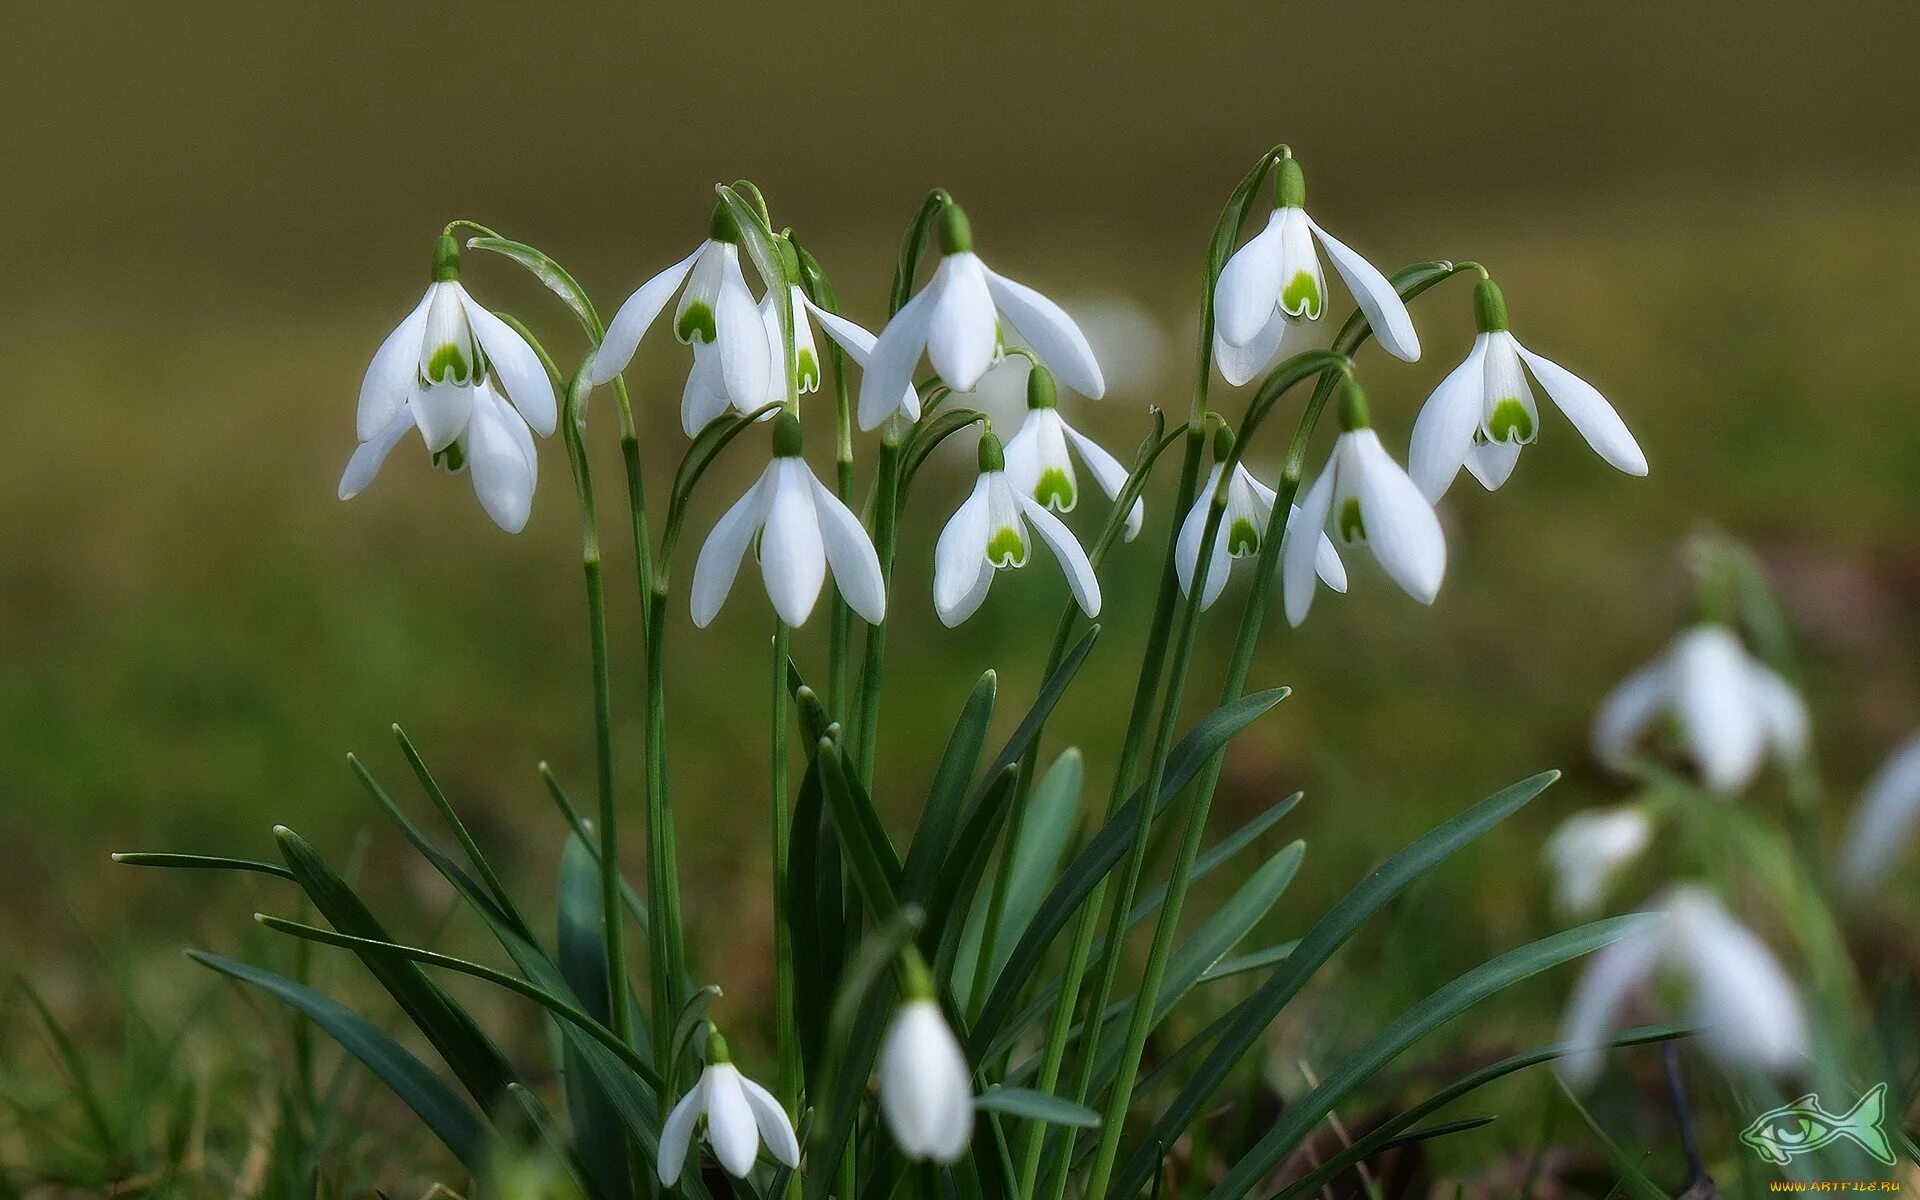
x,y
453,459
1242,538
447,361
809,370
1006,548
1302,296
1055,490
696,324
1510,422
1352,528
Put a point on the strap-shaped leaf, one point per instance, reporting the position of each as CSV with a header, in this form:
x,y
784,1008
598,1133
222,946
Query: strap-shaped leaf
x,y
863,840
1248,1020
814,903
597,1136
1045,829
1037,1106
438,1105
932,839
200,862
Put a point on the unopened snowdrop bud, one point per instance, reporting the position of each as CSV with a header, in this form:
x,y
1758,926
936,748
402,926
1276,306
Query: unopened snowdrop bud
x,y
739,1116
1363,498
1745,1004
1242,528
472,386
1885,822
1483,412
804,530
955,321
1591,847
1275,281
1039,464
926,1088
992,531
1728,709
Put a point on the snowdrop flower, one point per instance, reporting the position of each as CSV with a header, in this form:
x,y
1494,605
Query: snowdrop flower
x,y
1589,848
926,1088
1483,412
740,1115
1886,820
1038,462
955,319
1728,709
1242,528
733,357
853,340
442,370
1274,282
803,529
1363,498
1738,993
990,531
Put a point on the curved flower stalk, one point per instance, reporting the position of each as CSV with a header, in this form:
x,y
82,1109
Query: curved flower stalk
x,y
926,1088
1590,848
1483,412
738,1114
1274,283
803,531
442,370
955,321
1885,822
1746,1005
1363,498
991,531
1242,528
1729,710
1039,462
733,357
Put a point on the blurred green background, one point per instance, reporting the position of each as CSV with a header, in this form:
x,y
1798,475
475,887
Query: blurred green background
x,y
216,211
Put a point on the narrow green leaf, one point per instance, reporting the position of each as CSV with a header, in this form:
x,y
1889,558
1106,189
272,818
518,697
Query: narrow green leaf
x,y
468,845
75,1066
869,853
701,453
1037,1106
1632,1178
927,435
550,273
457,1126
691,1015
202,862
814,904
932,839
582,959
1052,812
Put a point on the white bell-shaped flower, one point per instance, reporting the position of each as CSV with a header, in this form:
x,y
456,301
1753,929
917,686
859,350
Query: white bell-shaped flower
x,y
1886,821
1589,848
1483,412
955,321
1728,709
1275,281
733,357
991,531
1745,1004
1363,498
1039,462
926,1089
737,1116
443,370
1243,528
803,530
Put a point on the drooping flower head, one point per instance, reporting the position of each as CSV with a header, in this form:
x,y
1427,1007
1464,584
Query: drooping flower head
x,y
734,1114
1363,498
1275,282
1589,848
1483,412
926,1088
734,359
955,321
991,531
443,370
1728,709
1242,530
1039,464
803,530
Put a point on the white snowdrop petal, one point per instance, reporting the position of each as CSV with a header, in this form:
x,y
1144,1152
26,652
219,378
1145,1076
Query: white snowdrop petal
x,y
852,338
964,331
1744,1000
1712,701
1628,712
1298,569
1108,474
1783,714
704,399
776,1130
1401,526
719,561
1612,975
1327,563
1240,364
1049,332
1375,294
889,370
516,368
731,1127
793,557
1186,548
1589,847
748,357
502,460
1073,560
630,324
677,1133
1443,432
850,553
442,411
960,553
1588,411
367,459
390,376
1885,821
1492,463
1248,290
926,1094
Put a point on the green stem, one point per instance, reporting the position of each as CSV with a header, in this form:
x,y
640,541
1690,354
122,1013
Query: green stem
x,y
789,1048
886,517
667,965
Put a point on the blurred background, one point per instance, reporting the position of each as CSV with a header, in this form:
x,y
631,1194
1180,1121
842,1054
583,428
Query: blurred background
x,y
216,211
